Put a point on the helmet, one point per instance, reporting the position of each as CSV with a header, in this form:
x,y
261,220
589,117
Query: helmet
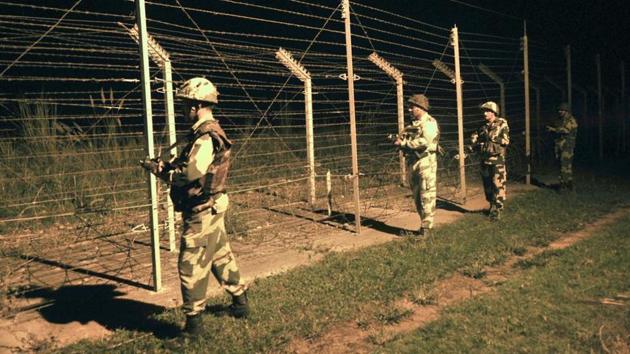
x,y
490,106
419,100
564,107
199,89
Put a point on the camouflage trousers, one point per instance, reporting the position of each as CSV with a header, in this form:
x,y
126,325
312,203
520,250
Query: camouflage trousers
x,y
565,159
204,249
494,178
422,181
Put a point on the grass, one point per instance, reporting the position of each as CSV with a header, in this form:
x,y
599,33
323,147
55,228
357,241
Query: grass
x,y
554,307
357,286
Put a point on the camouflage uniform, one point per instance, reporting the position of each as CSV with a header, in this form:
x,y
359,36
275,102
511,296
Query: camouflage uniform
x,y
566,131
419,143
204,245
491,141
197,179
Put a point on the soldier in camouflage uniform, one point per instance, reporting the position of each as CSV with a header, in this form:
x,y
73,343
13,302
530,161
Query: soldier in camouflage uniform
x,y
491,141
419,142
565,130
197,178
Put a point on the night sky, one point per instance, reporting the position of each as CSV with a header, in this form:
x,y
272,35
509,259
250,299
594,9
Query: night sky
x,y
589,26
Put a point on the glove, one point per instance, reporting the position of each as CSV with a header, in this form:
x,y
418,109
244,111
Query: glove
x,y
473,138
153,165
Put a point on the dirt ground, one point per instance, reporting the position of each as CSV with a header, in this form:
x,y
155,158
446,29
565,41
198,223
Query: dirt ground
x,y
123,306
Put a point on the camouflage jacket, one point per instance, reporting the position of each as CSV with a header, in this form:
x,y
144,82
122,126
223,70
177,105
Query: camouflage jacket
x,y
199,173
420,138
491,140
565,129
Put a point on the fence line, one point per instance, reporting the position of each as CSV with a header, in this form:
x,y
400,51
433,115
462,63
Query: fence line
x,y
70,127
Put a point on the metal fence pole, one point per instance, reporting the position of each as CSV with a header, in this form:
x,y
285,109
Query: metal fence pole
x,y
624,107
600,103
345,4
567,54
148,133
528,159
162,59
492,75
460,114
172,137
301,73
397,76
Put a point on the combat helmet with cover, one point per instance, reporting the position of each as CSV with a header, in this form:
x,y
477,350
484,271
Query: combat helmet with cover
x,y
199,89
490,106
419,100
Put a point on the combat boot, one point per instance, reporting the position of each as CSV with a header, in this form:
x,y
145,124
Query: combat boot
x,y
492,210
193,325
496,216
426,232
240,306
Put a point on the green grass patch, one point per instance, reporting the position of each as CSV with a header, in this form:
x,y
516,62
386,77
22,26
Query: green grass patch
x,y
308,301
555,307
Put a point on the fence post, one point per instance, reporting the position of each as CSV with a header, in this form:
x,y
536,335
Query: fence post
x,y
492,75
528,158
460,113
623,106
345,4
148,133
567,54
538,121
395,74
329,192
172,137
585,121
600,103
303,75
162,59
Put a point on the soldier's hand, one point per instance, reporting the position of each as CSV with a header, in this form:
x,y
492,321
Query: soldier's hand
x,y
474,137
397,142
550,128
155,165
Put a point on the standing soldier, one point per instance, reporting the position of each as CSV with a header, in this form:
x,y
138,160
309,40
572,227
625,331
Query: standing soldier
x,y
565,130
419,142
197,178
491,141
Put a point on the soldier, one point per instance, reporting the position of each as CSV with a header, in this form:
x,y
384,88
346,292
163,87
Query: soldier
x,y
419,142
197,178
565,130
491,140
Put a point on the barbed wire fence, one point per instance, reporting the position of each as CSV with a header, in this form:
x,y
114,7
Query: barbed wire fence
x,y
71,129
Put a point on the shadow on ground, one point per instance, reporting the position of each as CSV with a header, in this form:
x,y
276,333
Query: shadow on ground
x,y
101,303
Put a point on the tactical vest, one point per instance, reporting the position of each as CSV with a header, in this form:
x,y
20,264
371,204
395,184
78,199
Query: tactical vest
x,y
199,195
411,132
491,150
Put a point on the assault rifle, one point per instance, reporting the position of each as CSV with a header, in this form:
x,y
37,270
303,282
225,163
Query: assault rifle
x,y
408,132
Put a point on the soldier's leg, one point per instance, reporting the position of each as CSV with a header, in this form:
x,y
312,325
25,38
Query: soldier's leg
x,y
195,262
486,177
499,181
558,147
566,167
415,186
224,265
428,170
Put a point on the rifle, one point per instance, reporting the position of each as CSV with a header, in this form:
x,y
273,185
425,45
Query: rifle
x,y
410,131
